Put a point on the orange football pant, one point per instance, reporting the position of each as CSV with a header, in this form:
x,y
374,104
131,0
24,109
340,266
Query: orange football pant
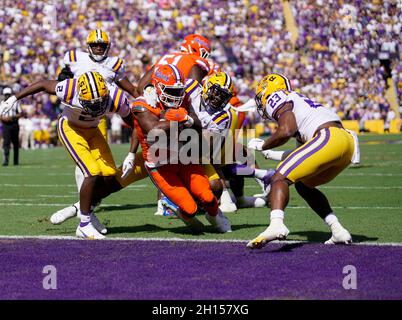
x,y
181,182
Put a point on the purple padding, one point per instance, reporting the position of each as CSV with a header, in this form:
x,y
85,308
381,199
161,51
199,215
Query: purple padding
x,y
153,270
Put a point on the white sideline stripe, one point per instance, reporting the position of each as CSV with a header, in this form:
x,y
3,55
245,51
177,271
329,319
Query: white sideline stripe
x,y
123,205
43,237
345,187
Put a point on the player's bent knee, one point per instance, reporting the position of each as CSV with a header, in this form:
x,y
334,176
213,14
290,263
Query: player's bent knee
x,y
188,208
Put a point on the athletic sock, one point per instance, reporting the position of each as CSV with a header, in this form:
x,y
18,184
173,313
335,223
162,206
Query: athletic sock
x,y
85,218
277,216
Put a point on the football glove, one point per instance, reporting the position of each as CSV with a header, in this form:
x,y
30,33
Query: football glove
x,y
255,144
128,165
7,105
150,96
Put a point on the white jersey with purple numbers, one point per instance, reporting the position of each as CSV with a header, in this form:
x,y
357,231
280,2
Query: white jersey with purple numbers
x,y
112,69
309,115
74,112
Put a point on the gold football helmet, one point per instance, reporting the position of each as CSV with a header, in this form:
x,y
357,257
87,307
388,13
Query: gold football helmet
x,y
98,44
93,93
268,85
217,90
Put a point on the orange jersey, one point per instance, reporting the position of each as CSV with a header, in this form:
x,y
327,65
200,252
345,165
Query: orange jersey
x,y
184,62
140,105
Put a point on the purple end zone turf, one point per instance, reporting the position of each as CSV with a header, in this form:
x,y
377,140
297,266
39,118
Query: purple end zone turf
x,y
154,270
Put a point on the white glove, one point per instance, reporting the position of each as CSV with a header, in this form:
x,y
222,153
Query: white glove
x,y
273,155
7,105
150,96
189,122
255,144
128,164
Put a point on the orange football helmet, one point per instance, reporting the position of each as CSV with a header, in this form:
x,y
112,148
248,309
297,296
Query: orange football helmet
x,y
169,84
196,44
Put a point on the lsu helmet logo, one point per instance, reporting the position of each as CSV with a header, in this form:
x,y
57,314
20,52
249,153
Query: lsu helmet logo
x,y
93,93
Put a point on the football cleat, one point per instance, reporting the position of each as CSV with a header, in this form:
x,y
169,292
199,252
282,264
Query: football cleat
x,y
219,222
195,225
251,202
64,214
339,235
276,231
88,232
228,207
169,208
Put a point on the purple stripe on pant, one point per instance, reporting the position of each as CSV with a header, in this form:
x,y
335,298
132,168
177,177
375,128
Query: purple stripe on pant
x,y
290,157
70,149
327,135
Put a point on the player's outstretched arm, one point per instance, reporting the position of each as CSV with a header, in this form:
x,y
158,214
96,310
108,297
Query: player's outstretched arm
x,y
48,86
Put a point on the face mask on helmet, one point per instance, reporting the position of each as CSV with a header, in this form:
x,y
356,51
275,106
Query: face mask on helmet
x,y
171,97
98,44
218,89
216,98
95,107
169,83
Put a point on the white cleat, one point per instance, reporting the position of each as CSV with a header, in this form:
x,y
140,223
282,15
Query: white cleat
x,y
96,223
159,210
89,232
219,222
195,225
277,231
251,202
64,214
228,207
339,235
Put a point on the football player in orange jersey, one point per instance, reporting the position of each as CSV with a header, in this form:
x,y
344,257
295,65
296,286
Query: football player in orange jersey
x,y
191,60
180,183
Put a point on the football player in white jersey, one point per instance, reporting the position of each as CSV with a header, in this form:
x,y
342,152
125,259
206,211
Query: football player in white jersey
x,y
217,116
112,69
326,150
87,99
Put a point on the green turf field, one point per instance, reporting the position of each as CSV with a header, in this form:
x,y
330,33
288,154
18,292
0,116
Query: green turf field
x,y
367,199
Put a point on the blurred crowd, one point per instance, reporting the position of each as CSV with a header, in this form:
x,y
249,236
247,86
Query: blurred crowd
x,y
344,52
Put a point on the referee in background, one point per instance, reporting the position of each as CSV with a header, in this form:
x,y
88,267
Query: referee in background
x,y
11,129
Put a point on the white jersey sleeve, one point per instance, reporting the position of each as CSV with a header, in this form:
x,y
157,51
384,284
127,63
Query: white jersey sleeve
x,y
119,102
119,68
65,90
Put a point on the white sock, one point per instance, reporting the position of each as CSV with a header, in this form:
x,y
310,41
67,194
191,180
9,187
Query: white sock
x,y
260,173
331,219
79,178
85,219
277,214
